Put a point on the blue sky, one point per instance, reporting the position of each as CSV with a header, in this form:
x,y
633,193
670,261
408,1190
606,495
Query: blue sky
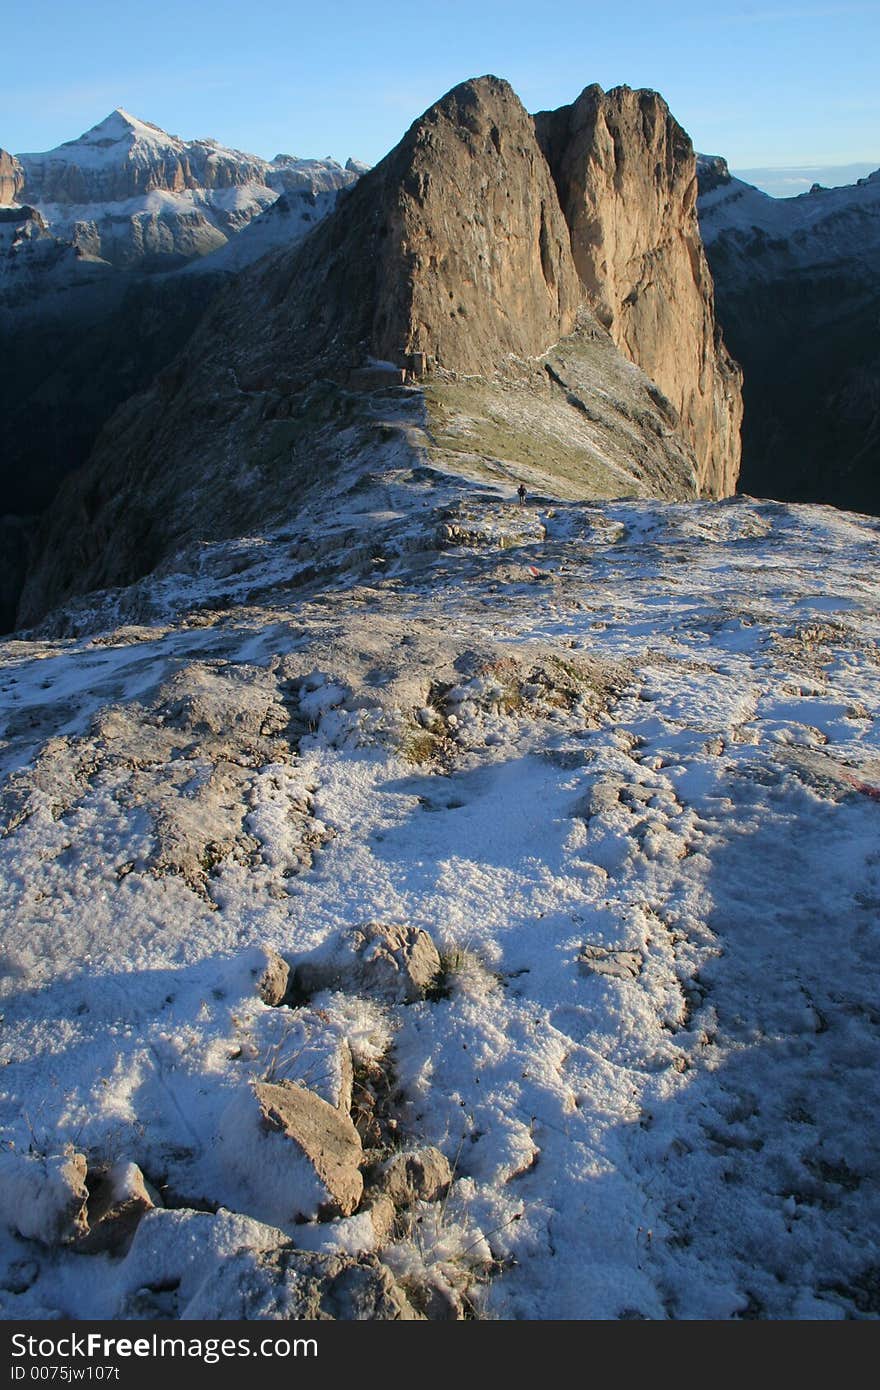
x,y
764,84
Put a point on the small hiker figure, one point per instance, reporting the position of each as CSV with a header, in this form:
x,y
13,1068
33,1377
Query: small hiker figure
x,y
521,494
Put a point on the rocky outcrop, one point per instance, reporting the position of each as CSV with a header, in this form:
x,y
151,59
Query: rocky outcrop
x,y
478,235
118,1199
712,173
33,262
396,963
626,175
454,247
11,178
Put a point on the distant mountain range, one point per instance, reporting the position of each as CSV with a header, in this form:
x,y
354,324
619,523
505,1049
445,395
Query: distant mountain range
x,y
95,237
797,285
787,181
129,193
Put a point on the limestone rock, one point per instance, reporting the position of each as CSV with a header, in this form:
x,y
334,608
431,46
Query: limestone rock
x,y
44,1198
454,253
171,1251
393,962
478,233
274,980
601,799
296,1156
600,960
626,175
327,1138
118,1199
11,178
288,1283
383,1215
365,1290
193,1265
415,1175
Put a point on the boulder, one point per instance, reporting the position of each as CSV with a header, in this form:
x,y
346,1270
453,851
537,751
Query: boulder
x,y
44,1197
415,1175
274,980
118,1198
295,1156
392,962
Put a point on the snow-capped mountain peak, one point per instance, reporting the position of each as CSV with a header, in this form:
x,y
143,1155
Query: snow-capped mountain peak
x,y
122,125
128,191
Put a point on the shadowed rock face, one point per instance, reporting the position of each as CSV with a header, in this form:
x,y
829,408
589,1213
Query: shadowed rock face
x,y
798,293
626,175
455,246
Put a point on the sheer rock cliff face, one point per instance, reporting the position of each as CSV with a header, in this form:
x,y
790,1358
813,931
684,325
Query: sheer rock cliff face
x,y
11,178
456,247
478,230
626,176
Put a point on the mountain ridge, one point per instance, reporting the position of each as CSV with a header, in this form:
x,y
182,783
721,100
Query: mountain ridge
x,y
451,260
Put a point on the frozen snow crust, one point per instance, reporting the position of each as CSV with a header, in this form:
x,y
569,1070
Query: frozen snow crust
x,y
619,761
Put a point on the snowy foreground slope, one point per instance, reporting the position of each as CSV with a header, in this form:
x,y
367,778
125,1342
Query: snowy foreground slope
x,y
620,761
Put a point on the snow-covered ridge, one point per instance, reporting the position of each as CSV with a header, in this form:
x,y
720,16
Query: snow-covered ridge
x,y
123,156
33,261
128,192
817,225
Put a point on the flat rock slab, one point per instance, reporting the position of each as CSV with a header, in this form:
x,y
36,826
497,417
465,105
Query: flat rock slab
x,y
325,1136
600,960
